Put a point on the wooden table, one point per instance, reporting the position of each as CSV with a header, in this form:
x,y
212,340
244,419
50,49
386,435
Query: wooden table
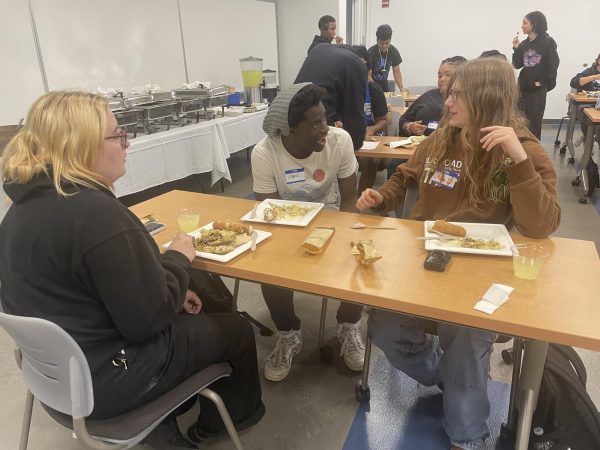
x,y
582,179
576,101
551,309
410,99
385,151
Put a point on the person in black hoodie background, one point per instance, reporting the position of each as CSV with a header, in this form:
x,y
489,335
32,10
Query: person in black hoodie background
x,y
72,254
538,58
343,75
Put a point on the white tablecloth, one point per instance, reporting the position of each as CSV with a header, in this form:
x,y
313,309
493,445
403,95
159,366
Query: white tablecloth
x,y
239,132
171,155
203,147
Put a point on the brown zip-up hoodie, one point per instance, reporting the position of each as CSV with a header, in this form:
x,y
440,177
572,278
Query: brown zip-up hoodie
x,y
529,201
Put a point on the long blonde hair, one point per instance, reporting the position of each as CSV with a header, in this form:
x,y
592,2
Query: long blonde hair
x,y
64,131
488,88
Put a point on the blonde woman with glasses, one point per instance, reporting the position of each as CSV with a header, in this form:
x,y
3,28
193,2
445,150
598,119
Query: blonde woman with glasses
x,y
71,253
481,165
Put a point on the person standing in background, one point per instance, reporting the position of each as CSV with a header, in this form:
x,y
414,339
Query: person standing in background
x,y
538,58
344,76
382,56
376,111
328,27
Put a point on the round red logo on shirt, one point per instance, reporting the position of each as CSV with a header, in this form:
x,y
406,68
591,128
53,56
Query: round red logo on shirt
x,y
319,175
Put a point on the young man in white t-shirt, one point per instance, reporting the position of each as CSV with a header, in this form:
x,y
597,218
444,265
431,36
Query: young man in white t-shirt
x,y
300,159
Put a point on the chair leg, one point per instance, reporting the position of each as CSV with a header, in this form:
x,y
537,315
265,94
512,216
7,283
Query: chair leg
x,y
216,399
26,421
325,350
362,391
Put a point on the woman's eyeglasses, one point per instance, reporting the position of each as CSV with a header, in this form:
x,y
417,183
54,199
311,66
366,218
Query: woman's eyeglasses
x,y
122,135
454,94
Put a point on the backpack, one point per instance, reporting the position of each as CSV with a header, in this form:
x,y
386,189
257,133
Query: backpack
x,y
565,410
215,296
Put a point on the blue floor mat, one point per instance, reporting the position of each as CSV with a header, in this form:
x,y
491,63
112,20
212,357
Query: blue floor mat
x,y
403,415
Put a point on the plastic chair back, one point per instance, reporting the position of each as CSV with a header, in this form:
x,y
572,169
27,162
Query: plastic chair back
x,y
53,365
393,128
395,100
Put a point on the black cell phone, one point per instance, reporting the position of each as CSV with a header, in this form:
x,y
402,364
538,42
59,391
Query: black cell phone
x,y
437,260
154,227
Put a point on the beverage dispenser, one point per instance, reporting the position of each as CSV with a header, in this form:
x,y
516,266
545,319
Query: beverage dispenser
x,y
252,76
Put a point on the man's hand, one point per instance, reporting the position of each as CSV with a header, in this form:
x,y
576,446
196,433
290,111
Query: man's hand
x,y
339,40
338,124
192,303
369,198
506,139
416,128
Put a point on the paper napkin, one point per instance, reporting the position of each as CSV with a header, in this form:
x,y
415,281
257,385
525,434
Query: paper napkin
x,y
494,297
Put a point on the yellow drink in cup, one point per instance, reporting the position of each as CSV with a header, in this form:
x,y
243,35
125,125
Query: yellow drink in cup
x,y
188,219
528,260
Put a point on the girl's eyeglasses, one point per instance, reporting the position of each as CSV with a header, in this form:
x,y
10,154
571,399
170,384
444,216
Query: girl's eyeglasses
x,y
122,135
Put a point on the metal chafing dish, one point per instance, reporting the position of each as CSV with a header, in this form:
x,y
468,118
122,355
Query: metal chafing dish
x,y
151,108
202,98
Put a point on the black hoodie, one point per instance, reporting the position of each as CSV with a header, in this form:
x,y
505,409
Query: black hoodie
x,y
86,263
539,60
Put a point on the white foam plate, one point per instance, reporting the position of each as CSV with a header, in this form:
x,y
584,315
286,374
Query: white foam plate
x,y
262,235
488,231
296,221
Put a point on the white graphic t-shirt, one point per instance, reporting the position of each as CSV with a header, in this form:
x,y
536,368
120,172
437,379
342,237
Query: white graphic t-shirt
x,y
306,180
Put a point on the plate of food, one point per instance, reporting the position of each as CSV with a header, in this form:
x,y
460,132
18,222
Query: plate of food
x,y
460,237
222,241
283,212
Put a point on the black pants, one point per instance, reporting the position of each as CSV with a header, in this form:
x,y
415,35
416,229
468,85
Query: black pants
x,y
533,104
188,345
280,302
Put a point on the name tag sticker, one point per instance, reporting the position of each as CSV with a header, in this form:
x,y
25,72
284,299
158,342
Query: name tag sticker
x,y
432,125
294,176
445,178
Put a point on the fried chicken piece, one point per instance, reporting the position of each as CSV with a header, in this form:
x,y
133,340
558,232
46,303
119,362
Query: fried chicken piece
x,y
443,227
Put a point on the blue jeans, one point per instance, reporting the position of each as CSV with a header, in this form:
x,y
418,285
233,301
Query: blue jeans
x,y
458,357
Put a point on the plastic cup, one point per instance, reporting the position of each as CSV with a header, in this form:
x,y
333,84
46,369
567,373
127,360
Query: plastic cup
x,y
528,260
188,219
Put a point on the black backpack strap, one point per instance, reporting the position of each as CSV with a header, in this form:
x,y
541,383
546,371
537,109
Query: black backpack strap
x,y
573,357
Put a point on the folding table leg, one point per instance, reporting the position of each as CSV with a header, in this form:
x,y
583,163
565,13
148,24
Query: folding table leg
x,y
534,357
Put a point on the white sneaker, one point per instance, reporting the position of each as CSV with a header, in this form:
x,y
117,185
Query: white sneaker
x,y
352,347
279,362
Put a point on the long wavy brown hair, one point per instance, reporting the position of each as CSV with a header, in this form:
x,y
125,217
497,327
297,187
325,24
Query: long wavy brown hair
x,y
489,90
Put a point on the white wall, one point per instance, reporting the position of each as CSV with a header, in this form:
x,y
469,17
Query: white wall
x,y
424,36
124,44
296,26
218,33
20,79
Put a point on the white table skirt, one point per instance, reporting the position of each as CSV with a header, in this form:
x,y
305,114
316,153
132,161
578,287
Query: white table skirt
x,y
238,133
171,155
203,147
